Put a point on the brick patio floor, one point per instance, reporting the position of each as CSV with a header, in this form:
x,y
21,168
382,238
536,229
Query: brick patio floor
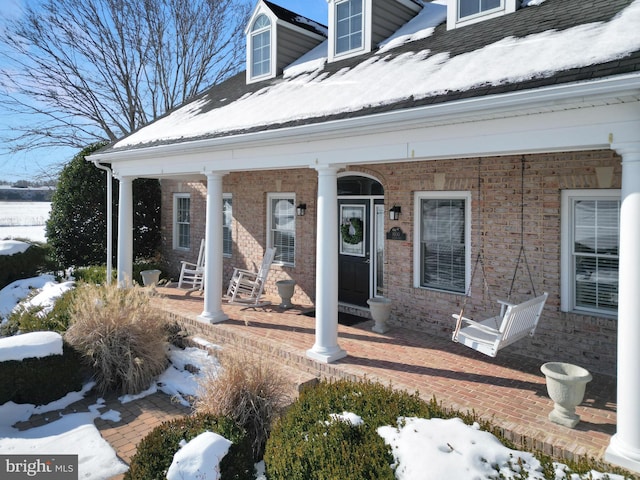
x,y
510,390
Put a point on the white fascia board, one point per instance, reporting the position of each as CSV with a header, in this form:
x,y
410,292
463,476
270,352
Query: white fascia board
x,y
467,115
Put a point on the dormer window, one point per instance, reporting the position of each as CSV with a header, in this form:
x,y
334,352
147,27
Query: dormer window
x,y
349,26
467,8
261,47
466,12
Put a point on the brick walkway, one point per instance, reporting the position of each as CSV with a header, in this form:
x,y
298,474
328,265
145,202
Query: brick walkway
x,y
137,419
510,389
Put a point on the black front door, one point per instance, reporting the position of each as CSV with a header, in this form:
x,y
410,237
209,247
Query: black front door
x,y
354,259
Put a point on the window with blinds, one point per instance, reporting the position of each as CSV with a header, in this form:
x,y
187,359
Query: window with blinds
x,y
282,227
182,221
443,256
595,239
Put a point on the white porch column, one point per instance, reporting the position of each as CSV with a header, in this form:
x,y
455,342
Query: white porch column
x,y
624,448
213,252
125,232
326,347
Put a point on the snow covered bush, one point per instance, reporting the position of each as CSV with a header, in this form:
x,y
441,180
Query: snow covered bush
x,y
247,389
34,317
309,441
24,264
155,452
37,368
121,334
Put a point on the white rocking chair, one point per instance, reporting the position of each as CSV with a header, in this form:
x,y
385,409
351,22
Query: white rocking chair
x,y
514,323
192,274
246,286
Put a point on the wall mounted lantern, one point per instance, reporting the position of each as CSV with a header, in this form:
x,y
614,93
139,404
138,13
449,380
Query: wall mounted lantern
x,y
394,212
301,209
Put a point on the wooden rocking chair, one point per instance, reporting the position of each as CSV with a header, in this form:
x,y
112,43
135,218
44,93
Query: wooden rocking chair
x,y
514,323
192,274
246,286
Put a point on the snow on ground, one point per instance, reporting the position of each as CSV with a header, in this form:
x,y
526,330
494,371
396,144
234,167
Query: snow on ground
x,y
76,434
41,291
446,448
11,247
24,220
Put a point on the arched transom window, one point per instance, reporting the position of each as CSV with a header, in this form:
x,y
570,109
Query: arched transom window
x,y
261,46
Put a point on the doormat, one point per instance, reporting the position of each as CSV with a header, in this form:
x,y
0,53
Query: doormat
x,y
343,318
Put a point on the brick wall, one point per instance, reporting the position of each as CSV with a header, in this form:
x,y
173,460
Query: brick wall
x,y
496,227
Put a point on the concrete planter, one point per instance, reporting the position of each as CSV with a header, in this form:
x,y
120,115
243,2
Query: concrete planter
x,y
380,309
150,277
285,290
566,384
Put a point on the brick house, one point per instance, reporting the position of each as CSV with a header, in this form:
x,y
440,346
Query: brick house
x,y
441,134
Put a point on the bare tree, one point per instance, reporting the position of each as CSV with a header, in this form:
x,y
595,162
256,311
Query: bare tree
x,y
93,70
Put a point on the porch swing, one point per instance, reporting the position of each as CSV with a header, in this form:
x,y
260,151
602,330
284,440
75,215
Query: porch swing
x,y
515,321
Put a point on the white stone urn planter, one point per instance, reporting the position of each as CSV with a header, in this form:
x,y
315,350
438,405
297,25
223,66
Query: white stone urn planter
x,y
285,290
566,384
150,277
380,309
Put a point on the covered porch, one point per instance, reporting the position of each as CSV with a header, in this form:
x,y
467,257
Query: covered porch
x,y
509,390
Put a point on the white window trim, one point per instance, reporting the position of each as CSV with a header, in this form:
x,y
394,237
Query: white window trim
x,y
567,293
453,20
453,195
176,196
249,45
288,196
366,31
228,196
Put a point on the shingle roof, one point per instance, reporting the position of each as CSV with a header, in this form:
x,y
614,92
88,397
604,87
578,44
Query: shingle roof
x,y
298,20
552,15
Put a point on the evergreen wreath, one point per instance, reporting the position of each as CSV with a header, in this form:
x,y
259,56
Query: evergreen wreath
x,y
347,236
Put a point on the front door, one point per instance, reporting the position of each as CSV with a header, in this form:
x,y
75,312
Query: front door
x,y
354,255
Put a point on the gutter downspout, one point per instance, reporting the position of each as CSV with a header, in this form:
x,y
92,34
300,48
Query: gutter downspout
x,y
109,218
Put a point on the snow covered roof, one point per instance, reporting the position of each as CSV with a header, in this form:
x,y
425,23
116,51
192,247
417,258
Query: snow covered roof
x,y
295,19
553,42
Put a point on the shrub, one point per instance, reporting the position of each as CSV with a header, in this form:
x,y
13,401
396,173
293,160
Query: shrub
x,y
41,380
33,319
248,390
155,452
120,334
305,444
36,259
97,274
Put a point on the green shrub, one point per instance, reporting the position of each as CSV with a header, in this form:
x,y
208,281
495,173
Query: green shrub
x,y
41,380
155,452
305,444
33,319
97,274
250,390
121,335
33,261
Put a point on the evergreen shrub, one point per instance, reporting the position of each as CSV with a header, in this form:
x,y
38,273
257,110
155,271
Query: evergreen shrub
x,y
306,444
34,260
33,319
155,451
39,381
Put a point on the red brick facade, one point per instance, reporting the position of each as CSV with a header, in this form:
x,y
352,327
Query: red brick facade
x,y
589,341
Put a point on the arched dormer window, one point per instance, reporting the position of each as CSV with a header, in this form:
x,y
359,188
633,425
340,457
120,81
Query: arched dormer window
x,y
261,47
